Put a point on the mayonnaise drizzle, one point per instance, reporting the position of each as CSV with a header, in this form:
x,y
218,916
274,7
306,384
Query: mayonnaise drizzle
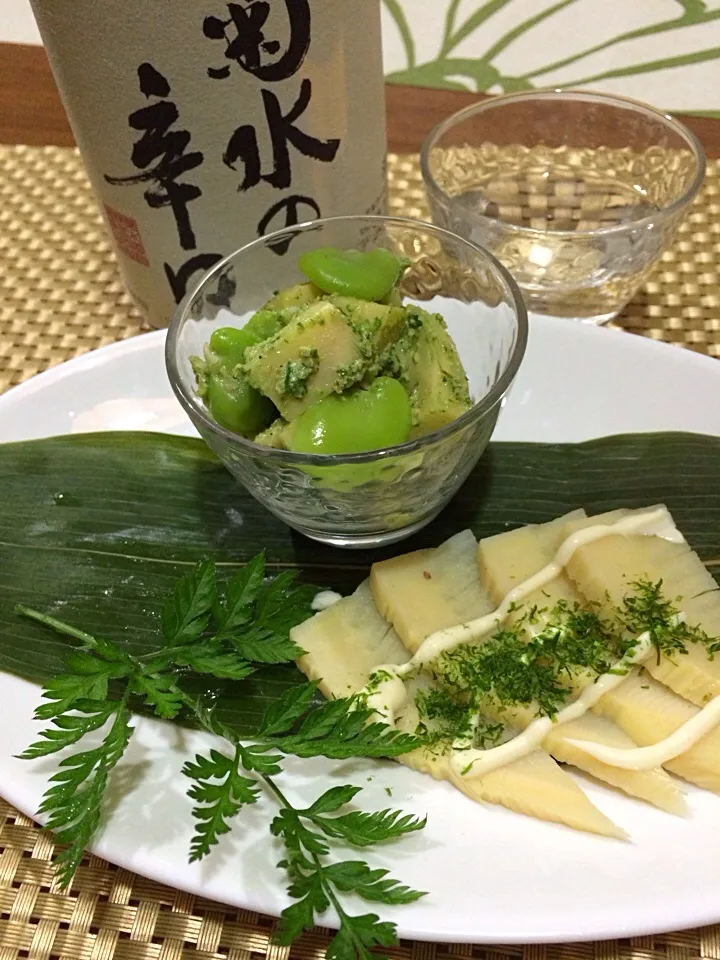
x,y
647,758
387,694
441,641
325,599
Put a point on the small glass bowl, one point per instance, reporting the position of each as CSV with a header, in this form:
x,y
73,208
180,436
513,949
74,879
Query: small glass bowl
x,y
376,498
578,194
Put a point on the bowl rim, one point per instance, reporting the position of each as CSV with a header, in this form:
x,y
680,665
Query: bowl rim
x,y
196,411
560,93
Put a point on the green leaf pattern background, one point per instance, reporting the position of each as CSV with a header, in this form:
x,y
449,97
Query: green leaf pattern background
x,y
665,52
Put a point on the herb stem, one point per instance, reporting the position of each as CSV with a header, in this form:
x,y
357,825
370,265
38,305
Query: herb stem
x,y
326,885
332,897
161,651
122,703
277,791
199,627
58,625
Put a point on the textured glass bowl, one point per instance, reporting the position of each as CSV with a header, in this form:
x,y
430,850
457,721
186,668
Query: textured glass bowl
x,y
578,194
365,499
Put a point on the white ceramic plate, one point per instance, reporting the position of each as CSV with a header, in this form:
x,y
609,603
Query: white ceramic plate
x,y
493,876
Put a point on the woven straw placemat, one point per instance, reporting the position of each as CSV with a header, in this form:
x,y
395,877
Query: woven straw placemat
x,y
60,296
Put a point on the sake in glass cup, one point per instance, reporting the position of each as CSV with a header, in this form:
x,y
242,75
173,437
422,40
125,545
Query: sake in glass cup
x,y
577,194
375,498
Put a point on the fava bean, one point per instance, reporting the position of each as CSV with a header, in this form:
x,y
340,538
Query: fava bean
x,y
230,343
264,324
367,276
371,419
237,406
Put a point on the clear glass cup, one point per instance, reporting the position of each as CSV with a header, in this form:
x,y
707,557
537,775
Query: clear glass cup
x,y
376,498
577,194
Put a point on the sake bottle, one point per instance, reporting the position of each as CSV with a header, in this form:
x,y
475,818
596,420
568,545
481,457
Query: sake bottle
x,y
204,125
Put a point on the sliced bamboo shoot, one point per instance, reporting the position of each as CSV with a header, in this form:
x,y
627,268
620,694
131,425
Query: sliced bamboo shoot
x,y
536,786
507,560
654,786
604,572
425,591
346,642
648,712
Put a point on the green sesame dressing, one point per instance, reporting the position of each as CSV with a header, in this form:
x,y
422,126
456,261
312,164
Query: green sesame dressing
x,y
295,373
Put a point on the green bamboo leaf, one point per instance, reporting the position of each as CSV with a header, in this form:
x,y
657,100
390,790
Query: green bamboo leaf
x,y
106,555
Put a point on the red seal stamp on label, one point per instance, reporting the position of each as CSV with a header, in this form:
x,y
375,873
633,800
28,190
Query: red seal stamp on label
x,y
127,235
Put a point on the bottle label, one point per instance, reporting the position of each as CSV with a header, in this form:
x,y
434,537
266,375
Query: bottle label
x,y
206,126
